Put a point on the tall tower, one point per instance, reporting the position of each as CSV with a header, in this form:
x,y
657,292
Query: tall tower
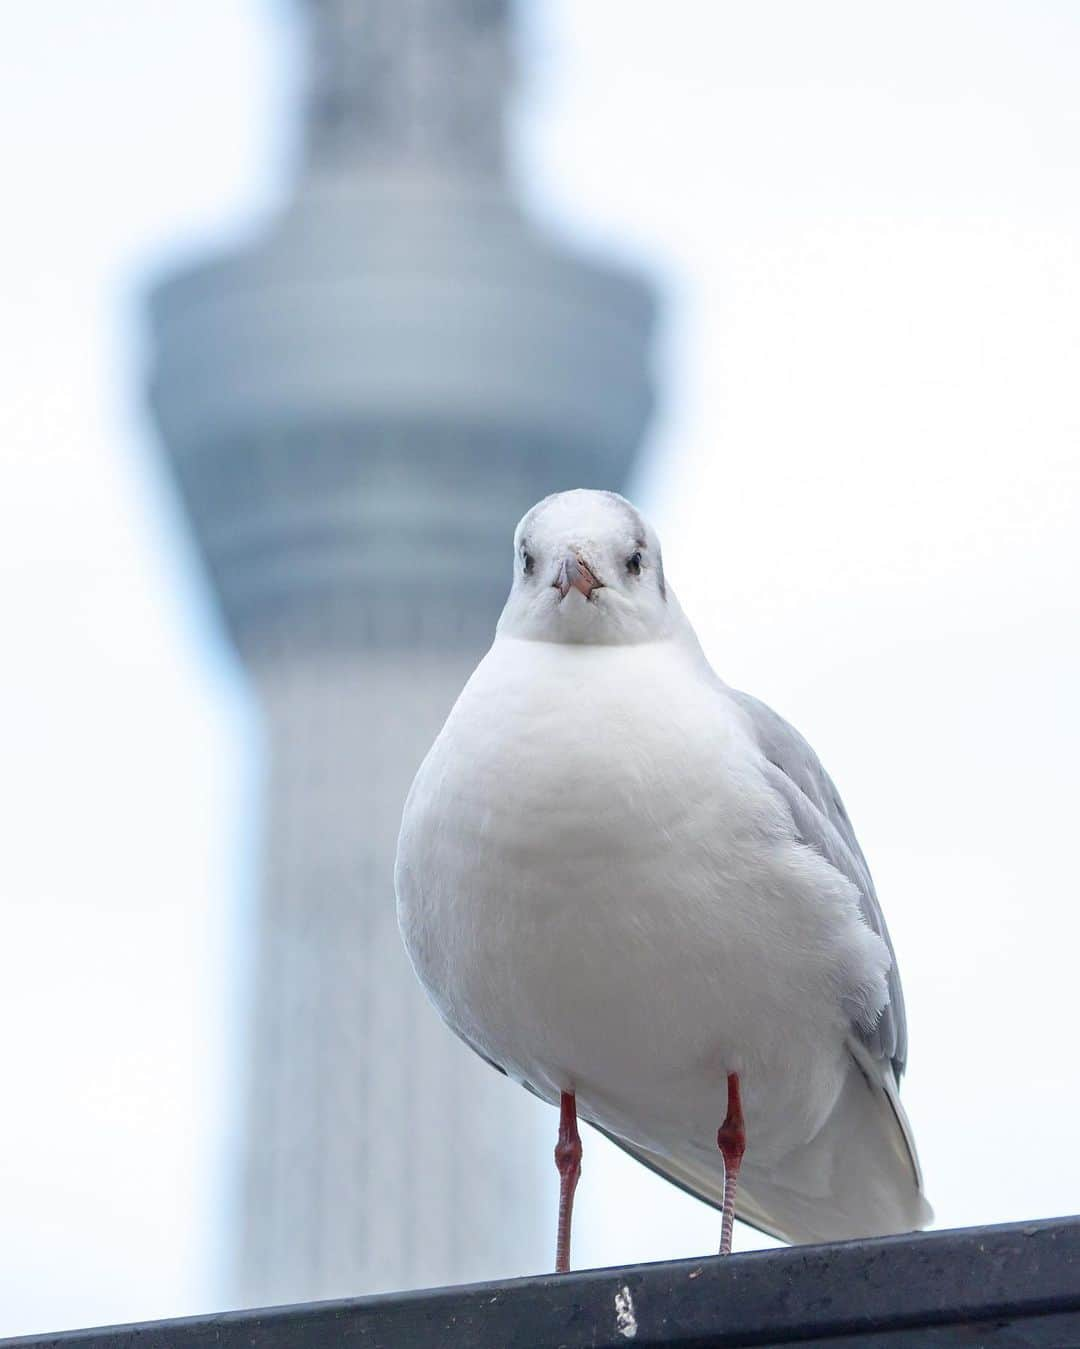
x,y
357,409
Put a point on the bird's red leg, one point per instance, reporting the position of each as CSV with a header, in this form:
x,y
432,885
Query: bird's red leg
x,y
731,1140
568,1160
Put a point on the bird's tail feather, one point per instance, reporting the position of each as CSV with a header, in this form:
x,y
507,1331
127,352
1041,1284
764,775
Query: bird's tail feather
x,y
858,1177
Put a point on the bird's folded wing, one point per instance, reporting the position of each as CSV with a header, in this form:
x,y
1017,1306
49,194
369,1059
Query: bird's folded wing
x,y
795,773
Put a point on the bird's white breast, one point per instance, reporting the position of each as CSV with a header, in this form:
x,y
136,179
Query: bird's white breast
x,y
599,890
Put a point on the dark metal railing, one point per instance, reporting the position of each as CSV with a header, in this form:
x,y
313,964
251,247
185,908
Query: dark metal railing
x,y
1011,1286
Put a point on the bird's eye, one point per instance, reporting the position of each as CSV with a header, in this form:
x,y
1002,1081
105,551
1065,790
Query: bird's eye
x,y
633,564
526,561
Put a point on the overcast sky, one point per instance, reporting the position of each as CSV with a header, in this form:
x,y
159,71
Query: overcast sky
x,y
866,223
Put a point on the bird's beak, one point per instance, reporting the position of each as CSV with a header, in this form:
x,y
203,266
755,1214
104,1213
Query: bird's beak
x,y
574,573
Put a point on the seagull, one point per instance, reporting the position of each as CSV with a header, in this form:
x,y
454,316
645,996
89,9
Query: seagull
x,y
636,891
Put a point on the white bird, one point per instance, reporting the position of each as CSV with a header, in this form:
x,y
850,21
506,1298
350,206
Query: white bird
x,y
636,891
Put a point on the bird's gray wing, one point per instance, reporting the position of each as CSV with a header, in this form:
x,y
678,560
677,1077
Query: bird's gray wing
x,y
795,772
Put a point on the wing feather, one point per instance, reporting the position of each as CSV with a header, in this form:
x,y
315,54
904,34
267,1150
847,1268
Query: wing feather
x,y
796,773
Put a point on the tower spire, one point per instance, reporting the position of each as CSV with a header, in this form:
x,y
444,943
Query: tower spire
x,y
399,86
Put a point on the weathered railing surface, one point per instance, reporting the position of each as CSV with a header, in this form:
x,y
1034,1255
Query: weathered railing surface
x,y
1010,1286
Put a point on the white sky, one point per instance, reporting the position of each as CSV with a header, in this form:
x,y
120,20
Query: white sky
x,y
865,471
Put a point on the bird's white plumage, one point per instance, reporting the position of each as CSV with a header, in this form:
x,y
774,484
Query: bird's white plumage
x,y
602,891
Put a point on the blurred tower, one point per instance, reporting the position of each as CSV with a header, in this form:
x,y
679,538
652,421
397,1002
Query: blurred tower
x,y
357,409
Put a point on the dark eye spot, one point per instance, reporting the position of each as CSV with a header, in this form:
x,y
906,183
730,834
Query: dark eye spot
x,y
526,561
633,564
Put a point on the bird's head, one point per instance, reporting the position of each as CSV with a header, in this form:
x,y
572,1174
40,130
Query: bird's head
x,y
587,569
